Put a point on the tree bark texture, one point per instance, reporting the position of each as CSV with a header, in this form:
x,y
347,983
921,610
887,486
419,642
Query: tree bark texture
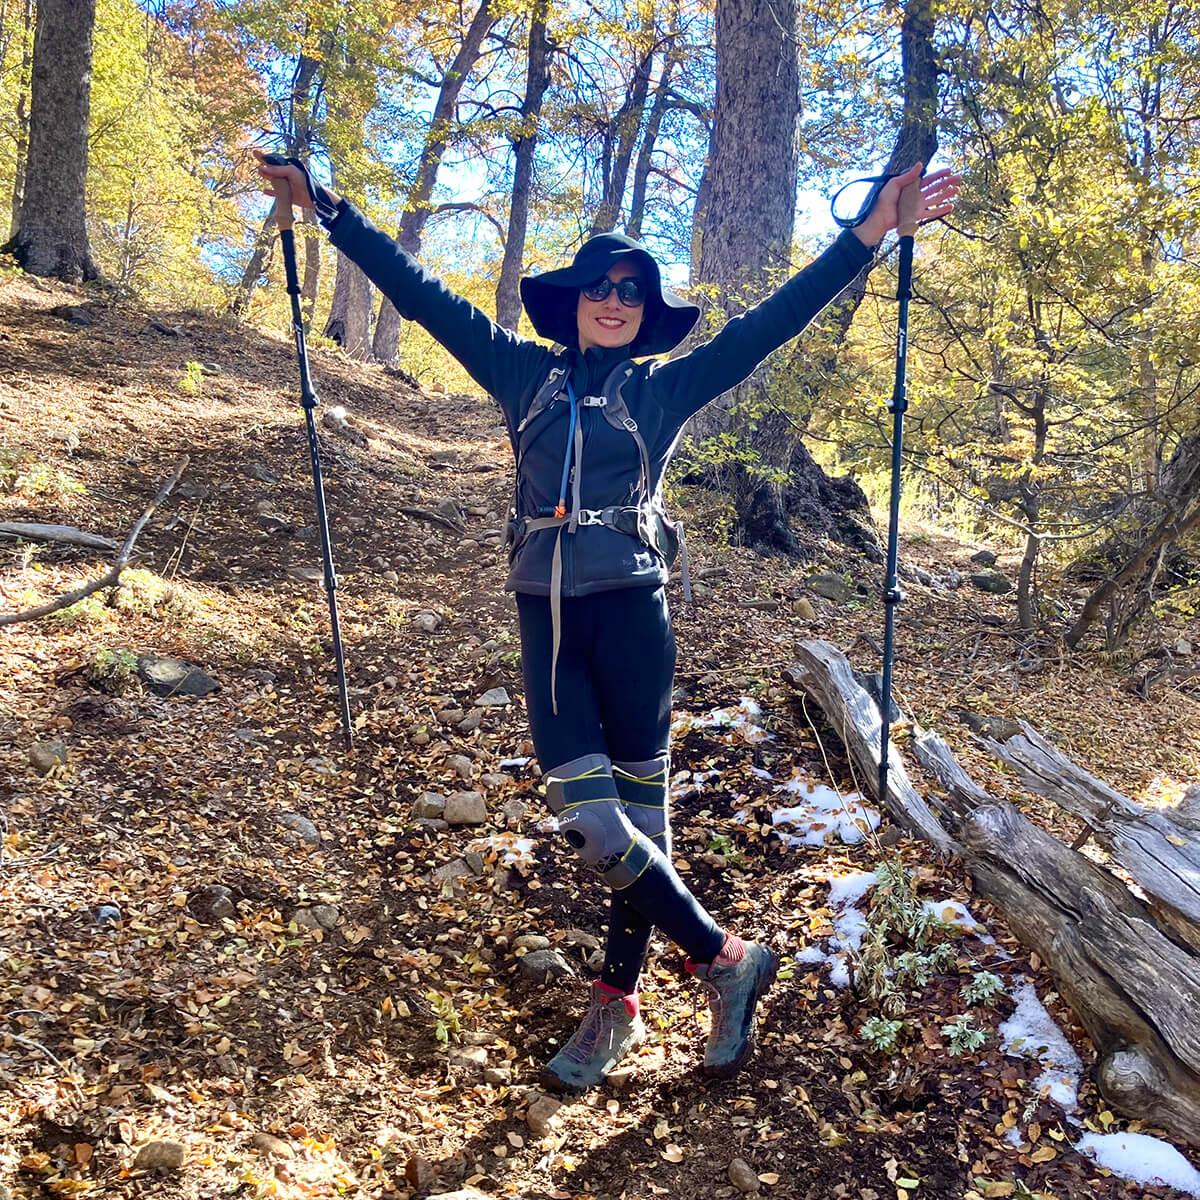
x,y
537,79
412,224
1128,559
51,238
21,119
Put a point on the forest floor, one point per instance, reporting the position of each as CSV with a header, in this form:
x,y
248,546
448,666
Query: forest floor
x,y
226,945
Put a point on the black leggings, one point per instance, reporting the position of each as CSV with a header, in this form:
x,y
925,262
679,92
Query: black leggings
x,y
616,663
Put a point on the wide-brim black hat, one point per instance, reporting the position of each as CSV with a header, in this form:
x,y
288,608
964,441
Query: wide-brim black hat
x,y
552,298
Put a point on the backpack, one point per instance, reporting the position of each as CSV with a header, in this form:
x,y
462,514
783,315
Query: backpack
x,y
647,520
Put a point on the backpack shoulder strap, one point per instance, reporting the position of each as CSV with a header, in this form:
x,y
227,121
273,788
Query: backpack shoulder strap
x,y
616,413
544,396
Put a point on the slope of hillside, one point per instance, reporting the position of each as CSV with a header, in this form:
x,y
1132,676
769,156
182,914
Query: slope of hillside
x,y
230,941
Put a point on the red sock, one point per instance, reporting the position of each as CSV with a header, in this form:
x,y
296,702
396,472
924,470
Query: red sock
x,y
732,952
614,993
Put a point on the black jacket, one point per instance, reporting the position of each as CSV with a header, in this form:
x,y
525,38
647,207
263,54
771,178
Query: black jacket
x,y
660,396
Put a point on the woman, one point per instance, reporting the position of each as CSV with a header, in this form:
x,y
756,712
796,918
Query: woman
x,y
592,432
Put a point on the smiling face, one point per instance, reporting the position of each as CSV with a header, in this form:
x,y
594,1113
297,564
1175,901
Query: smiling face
x,y
608,323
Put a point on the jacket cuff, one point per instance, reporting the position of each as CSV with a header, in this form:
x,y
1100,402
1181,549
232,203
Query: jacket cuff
x,y
852,246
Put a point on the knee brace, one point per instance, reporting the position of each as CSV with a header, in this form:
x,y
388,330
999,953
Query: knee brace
x,y
642,787
583,795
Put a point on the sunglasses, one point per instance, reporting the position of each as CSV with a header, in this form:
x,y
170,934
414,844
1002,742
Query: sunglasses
x,y
630,292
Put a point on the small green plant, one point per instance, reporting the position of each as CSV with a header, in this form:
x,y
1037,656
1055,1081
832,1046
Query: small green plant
x,y
23,475
83,612
720,843
192,383
881,1034
964,1034
447,1023
112,671
983,988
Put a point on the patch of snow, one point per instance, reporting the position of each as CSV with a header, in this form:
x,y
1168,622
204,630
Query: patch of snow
x,y
1031,1032
849,925
683,782
952,912
824,814
514,762
740,720
761,772
513,851
1144,1159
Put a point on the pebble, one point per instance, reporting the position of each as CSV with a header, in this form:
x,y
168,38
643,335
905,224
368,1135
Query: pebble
x,y
469,1056
428,806
514,811
458,869
531,941
465,808
215,903
541,1114
166,1155
420,1173
327,915
108,914
742,1176
461,765
426,621
494,698
494,779
268,1143
45,756
581,937
471,722
498,1076
543,965
301,826
803,609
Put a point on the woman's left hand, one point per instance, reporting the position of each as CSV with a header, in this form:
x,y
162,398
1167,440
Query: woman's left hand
x,y
937,200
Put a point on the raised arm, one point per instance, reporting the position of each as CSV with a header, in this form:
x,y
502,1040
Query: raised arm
x,y
497,359
687,384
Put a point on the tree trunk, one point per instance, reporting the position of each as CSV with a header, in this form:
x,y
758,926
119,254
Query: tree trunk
x,y
412,224
260,261
737,246
350,313
641,172
21,119
312,266
537,79
51,237
1158,524
620,138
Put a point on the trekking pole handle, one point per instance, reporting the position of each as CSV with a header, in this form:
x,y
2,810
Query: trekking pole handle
x,y
907,208
284,216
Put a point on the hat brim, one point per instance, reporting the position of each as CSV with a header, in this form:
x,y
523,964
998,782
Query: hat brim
x,y
552,300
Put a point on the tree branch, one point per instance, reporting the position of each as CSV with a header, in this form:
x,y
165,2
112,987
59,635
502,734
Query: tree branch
x,y
113,574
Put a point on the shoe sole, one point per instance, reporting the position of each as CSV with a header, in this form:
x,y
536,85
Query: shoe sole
x,y
552,1083
730,1069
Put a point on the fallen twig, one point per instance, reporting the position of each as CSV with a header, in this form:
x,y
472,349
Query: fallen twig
x,y
113,574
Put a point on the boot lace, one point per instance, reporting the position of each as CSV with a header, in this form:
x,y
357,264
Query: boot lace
x,y
598,1021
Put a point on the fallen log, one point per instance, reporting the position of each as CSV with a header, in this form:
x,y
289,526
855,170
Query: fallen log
x,y
1131,987
68,535
1130,974
823,672
112,576
1162,858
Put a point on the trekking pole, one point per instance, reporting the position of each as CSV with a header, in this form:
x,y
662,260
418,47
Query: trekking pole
x,y
906,227
308,400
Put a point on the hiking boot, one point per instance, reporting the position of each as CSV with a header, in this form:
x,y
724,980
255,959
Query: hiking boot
x,y
733,993
610,1029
